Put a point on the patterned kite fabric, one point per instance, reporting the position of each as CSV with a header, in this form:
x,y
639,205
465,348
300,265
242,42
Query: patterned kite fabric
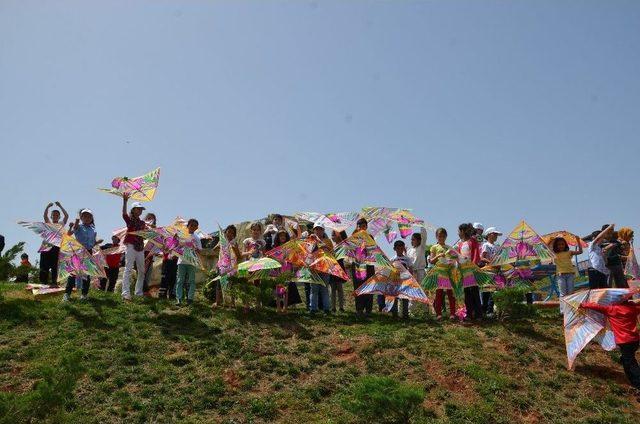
x,y
394,282
439,276
631,269
51,233
523,243
141,188
471,275
583,325
570,238
74,260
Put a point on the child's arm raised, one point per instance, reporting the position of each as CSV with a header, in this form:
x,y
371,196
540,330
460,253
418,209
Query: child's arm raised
x,y
578,251
125,197
46,213
65,214
73,226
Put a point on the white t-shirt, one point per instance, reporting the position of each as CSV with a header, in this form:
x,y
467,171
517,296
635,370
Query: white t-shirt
x,y
490,249
417,255
596,258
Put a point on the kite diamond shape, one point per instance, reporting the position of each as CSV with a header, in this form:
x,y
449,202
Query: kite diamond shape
x,y
142,188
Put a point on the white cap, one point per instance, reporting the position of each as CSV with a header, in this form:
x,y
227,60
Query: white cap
x,y
271,229
137,205
318,225
491,230
478,226
86,211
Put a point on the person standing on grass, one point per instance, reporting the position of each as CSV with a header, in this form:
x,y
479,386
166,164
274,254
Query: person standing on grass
x,y
442,273
49,253
149,219
134,253
112,269
187,272
364,302
623,320
614,261
320,293
468,248
400,248
337,283
488,251
22,271
565,271
84,230
598,272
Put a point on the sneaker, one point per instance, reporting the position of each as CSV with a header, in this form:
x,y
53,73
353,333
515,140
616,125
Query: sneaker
x,y
84,297
189,302
66,298
126,297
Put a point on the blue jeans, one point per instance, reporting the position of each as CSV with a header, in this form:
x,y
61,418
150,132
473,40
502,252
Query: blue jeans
x,y
317,291
188,273
565,285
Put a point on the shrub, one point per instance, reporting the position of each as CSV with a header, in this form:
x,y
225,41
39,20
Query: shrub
x,y
510,303
7,268
383,400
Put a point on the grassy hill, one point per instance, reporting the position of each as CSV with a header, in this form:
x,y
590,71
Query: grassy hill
x,y
148,361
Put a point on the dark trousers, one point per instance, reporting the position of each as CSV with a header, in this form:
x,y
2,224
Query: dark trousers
x,y
168,281
364,303
49,266
380,300
147,275
307,295
617,278
110,282
472,302
71,283
529,298
439,302
405,308
629,362
487,302
597,279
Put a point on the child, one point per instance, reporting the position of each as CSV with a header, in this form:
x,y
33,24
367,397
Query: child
x,y
49,253
442,273
400,249
417,254
134,248
364,302
149,219
598,272
488,251
623,320
291,294
466,248
113,265
22,271
337,288
187,272
85,233
254,246
320,293
565,271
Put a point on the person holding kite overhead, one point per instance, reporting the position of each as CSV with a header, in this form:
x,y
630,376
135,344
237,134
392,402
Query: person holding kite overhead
x,y
134,253
565,271
49,253
598,272
623,320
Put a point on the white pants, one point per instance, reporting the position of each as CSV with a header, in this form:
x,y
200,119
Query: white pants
x,y
132,256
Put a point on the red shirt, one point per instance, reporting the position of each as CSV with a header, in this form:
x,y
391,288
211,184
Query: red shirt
x,y
134,224
113,261
623,319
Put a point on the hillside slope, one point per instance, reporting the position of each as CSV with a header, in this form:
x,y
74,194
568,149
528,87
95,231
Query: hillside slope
x,y
148,361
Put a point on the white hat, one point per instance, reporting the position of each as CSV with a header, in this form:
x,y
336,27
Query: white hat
x,y
491,230
478,226
318,225
137,205
86,211
270,229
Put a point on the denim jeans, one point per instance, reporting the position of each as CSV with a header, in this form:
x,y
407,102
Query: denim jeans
x,y
320,291
186,274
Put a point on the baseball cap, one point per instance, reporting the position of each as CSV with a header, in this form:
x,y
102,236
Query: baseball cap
x,y
86,211
491,230
478,226
137,205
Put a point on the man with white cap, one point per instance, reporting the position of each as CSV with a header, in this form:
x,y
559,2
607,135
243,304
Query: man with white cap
x,y
488,251
134,244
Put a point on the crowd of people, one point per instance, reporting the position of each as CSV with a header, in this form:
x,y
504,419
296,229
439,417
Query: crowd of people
x,y
439,267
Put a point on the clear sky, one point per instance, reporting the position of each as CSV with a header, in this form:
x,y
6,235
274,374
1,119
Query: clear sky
x,y
474,110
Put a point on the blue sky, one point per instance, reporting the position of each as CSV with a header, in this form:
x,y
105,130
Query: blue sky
x,y
486,111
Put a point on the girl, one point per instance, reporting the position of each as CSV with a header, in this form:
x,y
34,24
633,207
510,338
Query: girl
x,y
149,219
289,294
85,233
488,252
187,272
134,252
49,253
468,270
364,302
337,288
565,271
441,275
230,233
255,245
320,293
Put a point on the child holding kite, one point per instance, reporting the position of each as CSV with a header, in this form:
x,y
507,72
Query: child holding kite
x,y
84,231
623,320
187,272
49,253
565,271
441,275
134,252
468,249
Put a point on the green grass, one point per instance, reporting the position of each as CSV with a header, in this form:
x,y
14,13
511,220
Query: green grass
x,y
104,361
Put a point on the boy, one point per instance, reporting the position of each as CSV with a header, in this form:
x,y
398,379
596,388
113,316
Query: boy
x,y
22,271
187,272
49,253
113,265
623,319
400,249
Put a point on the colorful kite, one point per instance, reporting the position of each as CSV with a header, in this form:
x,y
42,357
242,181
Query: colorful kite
x,y
75,260
255,265
43,289
381,219
306,253
522,244
393,281
334,221
141,188
305,275
362,248
173,239
583,325
51,233
570,238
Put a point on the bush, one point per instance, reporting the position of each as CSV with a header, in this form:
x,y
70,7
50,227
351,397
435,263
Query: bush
x,y
510,303
7,268
383,400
